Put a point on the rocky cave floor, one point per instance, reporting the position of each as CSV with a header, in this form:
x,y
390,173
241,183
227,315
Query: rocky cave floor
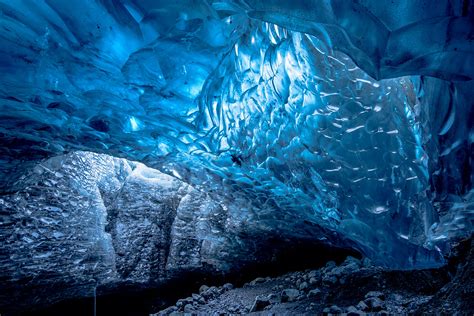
x,y
354,287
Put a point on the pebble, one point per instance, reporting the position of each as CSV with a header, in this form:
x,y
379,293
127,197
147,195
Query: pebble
x,y
313,281
233,309
335,309
362,306
377,294
303,286
272,296
375,304
168,310
289,295
211,292
314,274
366,263
228,286
260,303
188,308
351,259
352,311
257,281
330,265
329,279
315,293
203,288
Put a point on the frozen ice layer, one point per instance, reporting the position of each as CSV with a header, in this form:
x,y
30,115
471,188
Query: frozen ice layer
x,y
356,117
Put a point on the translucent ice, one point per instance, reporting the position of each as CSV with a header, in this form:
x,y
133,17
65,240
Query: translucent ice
x,y
269,102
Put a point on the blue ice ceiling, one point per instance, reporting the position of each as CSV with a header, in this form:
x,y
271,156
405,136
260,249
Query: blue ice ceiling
x,y
280,103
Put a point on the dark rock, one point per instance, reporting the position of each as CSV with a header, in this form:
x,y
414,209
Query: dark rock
x,y
376,294
362,306
366,263
198,299
303,286
314,274
330,265
352,311
211,293
300,297
329,279
350,260
313,281
289,295
167,311
315,293
260,303
334,309
257,281
228,286
397,298
189,308
273,298
298,282
234,309
341,272
203,288
375,304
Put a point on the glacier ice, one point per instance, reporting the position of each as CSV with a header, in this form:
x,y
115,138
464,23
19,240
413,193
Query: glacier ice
x,y
386,38
354,116
88,223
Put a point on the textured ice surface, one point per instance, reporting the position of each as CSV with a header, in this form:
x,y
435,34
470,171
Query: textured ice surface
x,y
386,38
269,103
87,223
321,136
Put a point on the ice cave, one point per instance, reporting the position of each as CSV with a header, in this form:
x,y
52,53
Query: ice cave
x,y
234,157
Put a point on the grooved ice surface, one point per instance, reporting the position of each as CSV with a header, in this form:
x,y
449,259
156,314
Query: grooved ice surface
x,y
300,116
265,102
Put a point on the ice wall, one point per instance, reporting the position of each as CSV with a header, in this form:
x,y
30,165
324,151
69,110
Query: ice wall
x,y
269,102
295,114
89,224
